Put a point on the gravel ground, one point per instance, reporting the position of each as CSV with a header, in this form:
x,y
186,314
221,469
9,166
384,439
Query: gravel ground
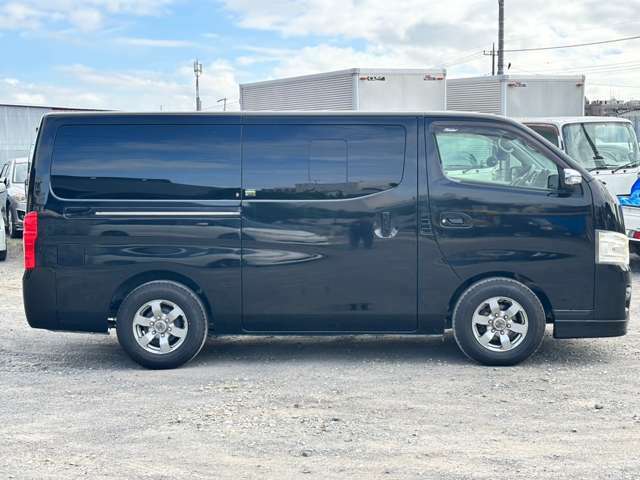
x,y
74,406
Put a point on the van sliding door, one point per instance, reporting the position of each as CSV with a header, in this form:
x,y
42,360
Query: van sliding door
x,y
329,224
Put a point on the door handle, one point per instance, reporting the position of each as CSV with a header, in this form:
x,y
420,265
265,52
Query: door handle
x,y
78,211
455,220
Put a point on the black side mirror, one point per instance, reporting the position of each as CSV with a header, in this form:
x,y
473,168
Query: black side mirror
x,y
553,182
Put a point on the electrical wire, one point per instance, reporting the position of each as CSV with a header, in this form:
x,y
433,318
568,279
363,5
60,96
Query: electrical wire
x,y
575,45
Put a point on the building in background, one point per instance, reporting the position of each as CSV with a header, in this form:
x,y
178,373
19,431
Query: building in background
x,y
18,128
357,89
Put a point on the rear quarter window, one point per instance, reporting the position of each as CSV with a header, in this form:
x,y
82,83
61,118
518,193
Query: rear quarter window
x,y
147,162
306,162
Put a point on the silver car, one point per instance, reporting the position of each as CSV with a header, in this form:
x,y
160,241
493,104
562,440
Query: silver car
x,y
13,176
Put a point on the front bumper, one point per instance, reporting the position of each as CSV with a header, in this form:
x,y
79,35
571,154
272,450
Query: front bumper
x,y
20,211
610,316
590,328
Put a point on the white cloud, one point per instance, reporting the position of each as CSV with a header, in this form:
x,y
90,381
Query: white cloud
x,y
155,42
422,34
82,15
129,91
29,98
86,19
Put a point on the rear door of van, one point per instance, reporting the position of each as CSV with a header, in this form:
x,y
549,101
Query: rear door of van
x,y
329,227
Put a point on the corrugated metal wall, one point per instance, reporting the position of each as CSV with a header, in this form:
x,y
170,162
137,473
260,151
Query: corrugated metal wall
x,y
318,92
18,130
483,95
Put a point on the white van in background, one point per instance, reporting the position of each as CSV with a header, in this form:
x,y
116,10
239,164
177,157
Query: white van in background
x,y
606,146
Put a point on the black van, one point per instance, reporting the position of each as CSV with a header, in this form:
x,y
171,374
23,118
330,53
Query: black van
x,y
172,227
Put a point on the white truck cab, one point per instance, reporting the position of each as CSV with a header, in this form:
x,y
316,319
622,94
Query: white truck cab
x,y
606,146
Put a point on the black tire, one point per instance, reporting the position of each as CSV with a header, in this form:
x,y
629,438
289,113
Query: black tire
x,y
182,297
13,229
3,255
473,298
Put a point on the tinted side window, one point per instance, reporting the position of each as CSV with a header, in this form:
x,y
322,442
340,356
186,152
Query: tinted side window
x,y
146,162
494,156
322,162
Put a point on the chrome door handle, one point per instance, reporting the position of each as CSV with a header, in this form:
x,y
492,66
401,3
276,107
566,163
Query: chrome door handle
x,y
455,220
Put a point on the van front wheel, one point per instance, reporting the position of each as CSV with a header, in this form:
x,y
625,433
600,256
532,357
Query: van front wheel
x,y
499,321
162,325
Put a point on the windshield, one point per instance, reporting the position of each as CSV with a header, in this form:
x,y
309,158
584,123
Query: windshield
x,y
605,145
20,172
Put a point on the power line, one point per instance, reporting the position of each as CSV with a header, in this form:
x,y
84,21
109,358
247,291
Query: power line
x,y
463,59
557,47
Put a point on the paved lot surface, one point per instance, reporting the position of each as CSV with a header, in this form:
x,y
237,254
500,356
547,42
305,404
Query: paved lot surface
x,y
74,406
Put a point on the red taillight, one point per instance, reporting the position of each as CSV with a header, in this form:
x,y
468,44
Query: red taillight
x,y
29,237
636,234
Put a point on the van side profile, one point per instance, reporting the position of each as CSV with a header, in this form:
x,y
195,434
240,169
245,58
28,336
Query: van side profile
x,y
173,227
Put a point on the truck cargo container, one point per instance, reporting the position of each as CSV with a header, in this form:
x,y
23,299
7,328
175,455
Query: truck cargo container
x,y
518,95
355,89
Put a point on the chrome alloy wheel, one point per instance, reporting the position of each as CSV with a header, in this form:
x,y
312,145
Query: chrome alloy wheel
x,y
160,327
500,324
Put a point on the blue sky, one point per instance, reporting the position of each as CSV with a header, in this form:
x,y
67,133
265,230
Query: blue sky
x,y
138,54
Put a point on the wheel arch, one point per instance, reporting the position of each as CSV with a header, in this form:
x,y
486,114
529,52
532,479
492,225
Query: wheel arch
x,y
137,280
539,292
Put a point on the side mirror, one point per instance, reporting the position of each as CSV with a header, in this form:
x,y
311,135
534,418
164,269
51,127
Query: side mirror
x,y
572,177
3,187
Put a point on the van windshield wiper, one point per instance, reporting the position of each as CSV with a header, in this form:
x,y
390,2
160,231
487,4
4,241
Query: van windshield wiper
x,y
627,165
596,154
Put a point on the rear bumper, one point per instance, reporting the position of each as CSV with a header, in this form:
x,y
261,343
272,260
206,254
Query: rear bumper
x,y
590,328
39,294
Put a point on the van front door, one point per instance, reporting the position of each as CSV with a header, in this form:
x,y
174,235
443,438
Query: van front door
x,y
329,224
497,210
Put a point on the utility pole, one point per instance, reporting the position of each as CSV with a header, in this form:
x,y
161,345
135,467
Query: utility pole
x,y
492,53
500,37
224,104
197,69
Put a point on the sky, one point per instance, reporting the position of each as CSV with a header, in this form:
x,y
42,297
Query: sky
x,y
138,54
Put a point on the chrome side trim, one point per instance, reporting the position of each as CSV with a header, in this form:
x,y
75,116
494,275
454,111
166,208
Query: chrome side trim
x,y
105,213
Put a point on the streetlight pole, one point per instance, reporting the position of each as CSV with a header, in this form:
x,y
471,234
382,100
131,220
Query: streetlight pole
x,y
197,70
224,103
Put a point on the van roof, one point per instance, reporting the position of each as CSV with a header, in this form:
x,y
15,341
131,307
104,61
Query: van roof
x,y
288,113
246,113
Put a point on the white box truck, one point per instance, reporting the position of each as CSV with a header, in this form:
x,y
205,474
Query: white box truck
x,y
518,95
354,89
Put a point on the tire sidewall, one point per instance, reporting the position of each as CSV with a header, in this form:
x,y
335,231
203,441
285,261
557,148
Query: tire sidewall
x,y
469,302
182,297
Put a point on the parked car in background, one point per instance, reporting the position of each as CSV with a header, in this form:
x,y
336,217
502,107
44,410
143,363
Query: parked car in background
x,y
14,176
170,227
3,235
605,146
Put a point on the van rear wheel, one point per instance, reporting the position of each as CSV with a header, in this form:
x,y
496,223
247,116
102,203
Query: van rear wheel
x,y
499,321
162,325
